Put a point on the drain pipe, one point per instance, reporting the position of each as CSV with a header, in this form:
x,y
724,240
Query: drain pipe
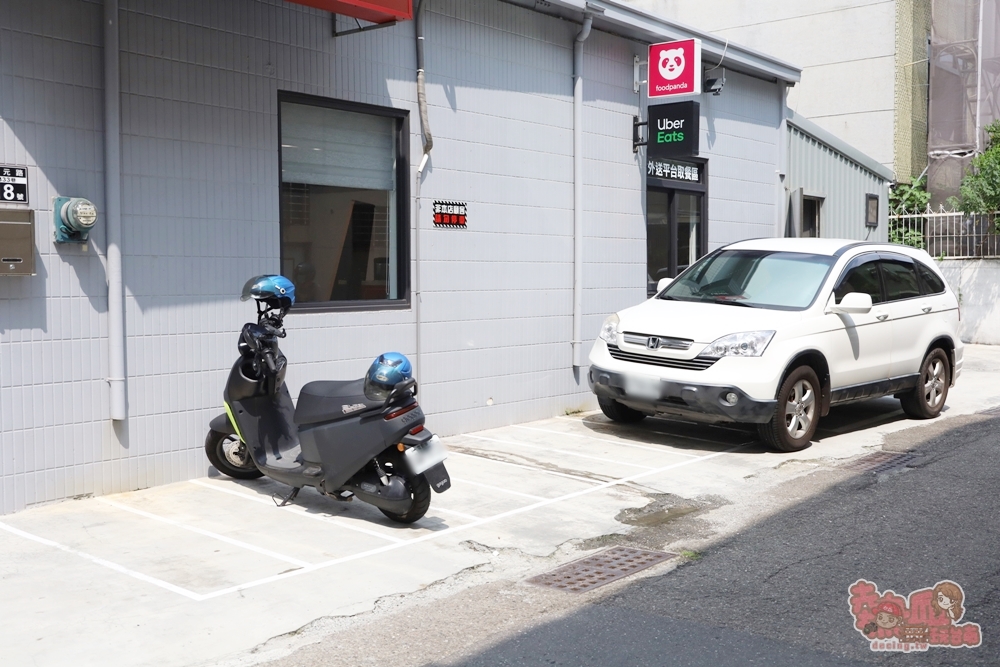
x,y
425,129
588,21
112,212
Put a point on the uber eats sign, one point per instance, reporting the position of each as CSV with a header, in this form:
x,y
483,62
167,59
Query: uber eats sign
x,y
673,130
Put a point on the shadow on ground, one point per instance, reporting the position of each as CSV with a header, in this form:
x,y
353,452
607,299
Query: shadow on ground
x,y
776,593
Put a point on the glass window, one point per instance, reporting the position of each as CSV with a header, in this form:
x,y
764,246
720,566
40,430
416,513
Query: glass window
x,y
900,279
674,232
756,278
930,282
342,225
862,279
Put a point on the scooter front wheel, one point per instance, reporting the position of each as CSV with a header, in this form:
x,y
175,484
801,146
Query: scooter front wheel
x,y
420,500
230,456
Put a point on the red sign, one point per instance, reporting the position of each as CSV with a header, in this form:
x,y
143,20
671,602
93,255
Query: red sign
x,y
376,11
675,68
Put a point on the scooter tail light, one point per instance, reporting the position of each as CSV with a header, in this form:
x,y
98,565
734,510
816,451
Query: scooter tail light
x,y
416,429
402,411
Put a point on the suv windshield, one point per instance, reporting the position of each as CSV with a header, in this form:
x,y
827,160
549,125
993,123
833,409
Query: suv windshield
x,y
755,278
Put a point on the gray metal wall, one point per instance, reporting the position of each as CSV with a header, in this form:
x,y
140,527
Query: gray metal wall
x,y
823,171
200,215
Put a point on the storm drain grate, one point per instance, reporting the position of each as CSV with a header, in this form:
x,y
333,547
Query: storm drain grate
x,y
599,569
880,462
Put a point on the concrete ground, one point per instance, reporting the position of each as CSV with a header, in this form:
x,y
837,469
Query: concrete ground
x,y
211,572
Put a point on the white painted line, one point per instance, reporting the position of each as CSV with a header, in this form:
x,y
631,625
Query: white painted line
x,y
298,511
467,526
613,442
497,488
557,451
456,513
523,467
105,563
207,533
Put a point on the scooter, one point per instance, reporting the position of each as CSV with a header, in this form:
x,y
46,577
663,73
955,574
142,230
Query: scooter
x,y
339,439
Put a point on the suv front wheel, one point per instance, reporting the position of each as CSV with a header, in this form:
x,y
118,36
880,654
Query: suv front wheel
x,y
793,424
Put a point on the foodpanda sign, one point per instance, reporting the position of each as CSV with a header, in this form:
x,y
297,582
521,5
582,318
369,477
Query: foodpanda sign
x,y
675,68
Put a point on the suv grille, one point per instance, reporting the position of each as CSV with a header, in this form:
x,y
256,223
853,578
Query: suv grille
x,y
696,364
657,342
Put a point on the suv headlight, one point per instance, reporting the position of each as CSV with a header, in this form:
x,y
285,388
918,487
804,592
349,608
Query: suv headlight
x,y
746,344
609,330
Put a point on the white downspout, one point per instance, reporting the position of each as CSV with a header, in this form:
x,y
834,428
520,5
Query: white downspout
x,y
112,212
588,21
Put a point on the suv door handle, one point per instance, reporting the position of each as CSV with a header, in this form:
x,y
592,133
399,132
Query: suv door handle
x,y
881,318
926,309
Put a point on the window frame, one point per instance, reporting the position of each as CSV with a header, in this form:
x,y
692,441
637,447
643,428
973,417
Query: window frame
x,y
403,212
670,186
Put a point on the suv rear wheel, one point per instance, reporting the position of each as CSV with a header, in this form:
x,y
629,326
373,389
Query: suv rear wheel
x,y
795,417
926,400
617,412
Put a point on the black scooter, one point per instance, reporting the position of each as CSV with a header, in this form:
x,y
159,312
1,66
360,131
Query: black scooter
x,y
336,439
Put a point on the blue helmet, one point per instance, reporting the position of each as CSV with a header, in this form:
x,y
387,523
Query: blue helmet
x,y
385,373
276,291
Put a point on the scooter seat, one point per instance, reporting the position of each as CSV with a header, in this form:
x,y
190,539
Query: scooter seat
x,y
329,400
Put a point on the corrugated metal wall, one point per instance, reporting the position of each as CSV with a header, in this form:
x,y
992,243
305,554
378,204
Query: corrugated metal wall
x,y
842,183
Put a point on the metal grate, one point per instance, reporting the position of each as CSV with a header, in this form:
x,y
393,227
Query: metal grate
x,y
880,462
599,569
696,364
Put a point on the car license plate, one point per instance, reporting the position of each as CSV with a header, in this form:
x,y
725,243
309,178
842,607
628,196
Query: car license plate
x,y
426,455
642,386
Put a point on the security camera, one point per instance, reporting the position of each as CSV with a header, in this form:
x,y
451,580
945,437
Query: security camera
x,y
715,85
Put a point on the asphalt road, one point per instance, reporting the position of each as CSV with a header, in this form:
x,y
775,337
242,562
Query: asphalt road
x,y
776,593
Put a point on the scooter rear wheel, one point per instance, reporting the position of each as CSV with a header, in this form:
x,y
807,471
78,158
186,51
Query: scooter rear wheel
x,y
230,456
420,500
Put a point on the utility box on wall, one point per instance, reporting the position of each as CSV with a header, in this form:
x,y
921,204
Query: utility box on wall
x,y
17,242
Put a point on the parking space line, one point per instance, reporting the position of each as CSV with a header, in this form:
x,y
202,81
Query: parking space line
x,y
557,451
456,513
206,533
299,512
467,526
452,452
105,563
613,442
497,488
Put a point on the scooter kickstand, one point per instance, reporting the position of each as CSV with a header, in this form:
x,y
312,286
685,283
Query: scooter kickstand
x,y
286,499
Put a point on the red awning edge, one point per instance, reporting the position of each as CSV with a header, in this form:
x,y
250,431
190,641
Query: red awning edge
x,y
375,11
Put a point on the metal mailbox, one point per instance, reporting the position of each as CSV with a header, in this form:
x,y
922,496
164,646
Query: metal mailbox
x,y
17,242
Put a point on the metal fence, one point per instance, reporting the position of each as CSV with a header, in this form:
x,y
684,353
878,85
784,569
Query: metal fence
x,y
945,234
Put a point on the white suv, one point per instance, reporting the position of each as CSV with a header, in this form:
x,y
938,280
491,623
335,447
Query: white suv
x,y
775,331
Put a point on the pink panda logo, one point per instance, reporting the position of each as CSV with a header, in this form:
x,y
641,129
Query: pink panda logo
x,y
671,63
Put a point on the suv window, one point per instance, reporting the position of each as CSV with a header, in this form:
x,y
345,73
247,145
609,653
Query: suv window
x,y
900,279
930,282
862,278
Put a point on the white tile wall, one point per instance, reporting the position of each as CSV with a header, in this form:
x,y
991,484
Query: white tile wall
x,y
200,213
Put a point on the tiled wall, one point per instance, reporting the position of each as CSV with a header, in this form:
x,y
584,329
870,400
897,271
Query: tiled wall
x,y
200,215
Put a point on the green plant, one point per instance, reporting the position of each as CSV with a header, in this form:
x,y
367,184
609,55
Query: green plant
x,y
899,233
980,189
909,197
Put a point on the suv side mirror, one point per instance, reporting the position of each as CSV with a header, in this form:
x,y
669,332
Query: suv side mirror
x,y
662,283
853,303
